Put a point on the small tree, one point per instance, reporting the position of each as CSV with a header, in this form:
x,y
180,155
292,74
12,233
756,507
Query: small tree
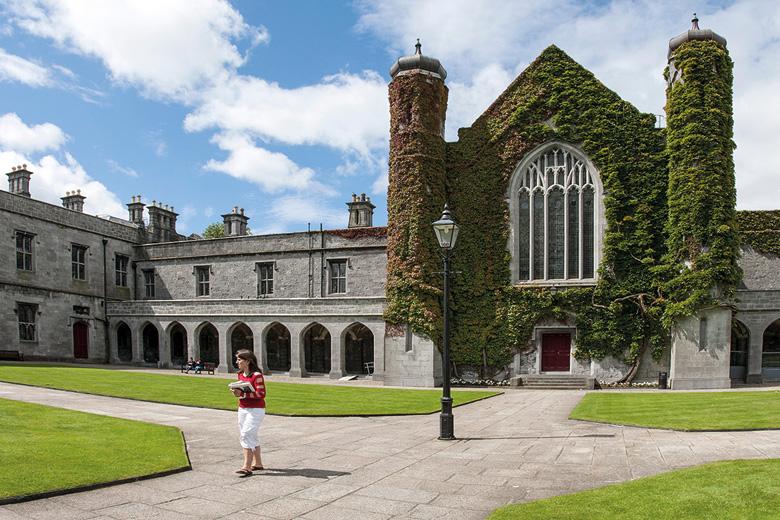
x,y
215,230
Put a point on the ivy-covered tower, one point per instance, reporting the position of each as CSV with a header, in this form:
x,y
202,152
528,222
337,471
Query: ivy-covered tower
x,y
703,244
415,198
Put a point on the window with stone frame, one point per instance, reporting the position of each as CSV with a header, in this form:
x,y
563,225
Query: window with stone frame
x,y
265,278
203,280
78,261
24,251
26,314
149,289
337,276
120,265
554,215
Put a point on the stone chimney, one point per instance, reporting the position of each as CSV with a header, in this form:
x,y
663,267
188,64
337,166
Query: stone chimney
x,y
235,222
135,210
19,180
74,201
162,222
361,211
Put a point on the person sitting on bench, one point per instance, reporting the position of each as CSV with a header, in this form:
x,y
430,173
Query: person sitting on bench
x,y
198,366
190,366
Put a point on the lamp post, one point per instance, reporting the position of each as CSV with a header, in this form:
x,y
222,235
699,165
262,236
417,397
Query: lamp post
x,y
446,233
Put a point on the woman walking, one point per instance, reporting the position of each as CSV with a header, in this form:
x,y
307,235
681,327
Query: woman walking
x,y
251,410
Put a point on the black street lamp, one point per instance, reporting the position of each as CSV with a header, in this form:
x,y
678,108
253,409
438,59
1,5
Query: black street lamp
x,y
446,233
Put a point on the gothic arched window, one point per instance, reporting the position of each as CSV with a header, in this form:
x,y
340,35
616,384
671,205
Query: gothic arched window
x,y
554,207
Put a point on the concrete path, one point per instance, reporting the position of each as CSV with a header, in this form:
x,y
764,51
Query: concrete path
x,y
513,448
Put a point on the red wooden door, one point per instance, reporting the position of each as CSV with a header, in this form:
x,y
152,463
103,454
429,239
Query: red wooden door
x,y
556,349
80,340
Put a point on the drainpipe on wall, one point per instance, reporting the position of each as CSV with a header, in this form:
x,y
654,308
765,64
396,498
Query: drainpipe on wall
x,y
105,303
322,262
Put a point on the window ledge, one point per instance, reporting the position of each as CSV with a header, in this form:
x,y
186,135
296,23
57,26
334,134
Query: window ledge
x,y
560,284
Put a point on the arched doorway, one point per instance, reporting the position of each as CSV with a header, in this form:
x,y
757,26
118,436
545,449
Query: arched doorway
x,y
208,344
358,348
277,348
178,344
316,349
81,340
770,359
151,340
240,339
740,344
124,342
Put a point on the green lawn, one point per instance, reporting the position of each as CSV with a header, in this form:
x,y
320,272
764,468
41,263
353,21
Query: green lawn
x,y
743,489
47,449
683,410
211,392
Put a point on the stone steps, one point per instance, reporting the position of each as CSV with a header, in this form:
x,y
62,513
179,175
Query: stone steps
x,y
553,382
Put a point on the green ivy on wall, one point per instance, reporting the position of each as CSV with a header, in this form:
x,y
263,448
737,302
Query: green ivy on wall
x,y
760,230
627,311
701,267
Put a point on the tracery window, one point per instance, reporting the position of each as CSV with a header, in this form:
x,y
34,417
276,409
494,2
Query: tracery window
x,y
555,216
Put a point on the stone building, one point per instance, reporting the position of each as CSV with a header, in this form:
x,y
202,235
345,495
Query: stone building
x,y
535,184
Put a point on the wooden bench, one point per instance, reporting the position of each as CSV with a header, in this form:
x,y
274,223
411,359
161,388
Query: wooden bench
x,y
11,355
209,368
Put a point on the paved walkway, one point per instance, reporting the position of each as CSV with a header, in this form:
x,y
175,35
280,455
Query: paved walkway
x,y
513,448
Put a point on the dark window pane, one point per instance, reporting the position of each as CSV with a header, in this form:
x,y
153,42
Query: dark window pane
x,y
574,234
587,233
524,235
555,236
538,204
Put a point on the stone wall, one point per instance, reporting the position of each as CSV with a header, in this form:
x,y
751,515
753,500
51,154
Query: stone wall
x,y
300,265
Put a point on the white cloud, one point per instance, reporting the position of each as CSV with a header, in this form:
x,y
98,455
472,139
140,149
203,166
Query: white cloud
x,y
483,44
272,171
168,49
298,210
16,68
115,166
346,112
52,177
15,135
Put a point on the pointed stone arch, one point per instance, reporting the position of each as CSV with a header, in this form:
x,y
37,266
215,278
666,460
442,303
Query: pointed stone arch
x,y
316,348
277,347
207,343
770,356
124,342
150,337
177,339
358,348
240,337
740,346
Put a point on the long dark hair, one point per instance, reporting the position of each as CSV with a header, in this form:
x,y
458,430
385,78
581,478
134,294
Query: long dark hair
x,y
248,355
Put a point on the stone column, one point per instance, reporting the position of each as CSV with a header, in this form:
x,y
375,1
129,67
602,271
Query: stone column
x,y
193,349
258,340
378,330
297,364
755,352
337,348
138,343
164,348
225,362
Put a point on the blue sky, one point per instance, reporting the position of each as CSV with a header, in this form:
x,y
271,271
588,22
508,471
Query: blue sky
x,y
281,107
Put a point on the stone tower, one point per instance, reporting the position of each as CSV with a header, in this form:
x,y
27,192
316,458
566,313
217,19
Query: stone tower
x,y
415,197
703,244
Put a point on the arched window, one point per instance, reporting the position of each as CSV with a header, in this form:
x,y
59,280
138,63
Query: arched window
x,y
554,207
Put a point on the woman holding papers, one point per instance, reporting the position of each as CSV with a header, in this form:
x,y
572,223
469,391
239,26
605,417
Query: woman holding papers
x,y
250,390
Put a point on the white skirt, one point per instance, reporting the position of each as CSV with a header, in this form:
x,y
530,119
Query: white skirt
x,y
249,420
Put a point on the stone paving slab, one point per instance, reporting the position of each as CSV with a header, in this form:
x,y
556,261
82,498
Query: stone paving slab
x,y
517,447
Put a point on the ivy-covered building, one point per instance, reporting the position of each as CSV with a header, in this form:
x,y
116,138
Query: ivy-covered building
x,y
592,242
593,245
